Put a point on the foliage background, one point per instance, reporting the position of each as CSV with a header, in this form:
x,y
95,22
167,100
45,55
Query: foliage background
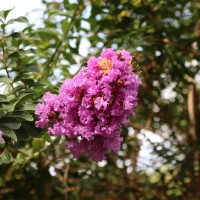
x,y
164,37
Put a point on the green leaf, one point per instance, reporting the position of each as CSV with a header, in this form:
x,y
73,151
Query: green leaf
x,y
20,144
27,107
4,13
22,98
19,159
10,122
3,26
69,58
13,65
3,98
1,20
11,21
27,152
8,133
21,19
37,144
6,157
32,130
47,31
5,80
61,13
22,115
46,137
16,35
7,107
22,134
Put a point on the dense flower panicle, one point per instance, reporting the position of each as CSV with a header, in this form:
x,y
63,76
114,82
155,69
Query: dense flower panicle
x,y
91,108
1,133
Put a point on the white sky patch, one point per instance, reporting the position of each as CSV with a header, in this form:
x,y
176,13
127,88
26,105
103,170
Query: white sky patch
x,y
146,157
84,47
168,93
131,131
102,163
32,9
52,171
192,63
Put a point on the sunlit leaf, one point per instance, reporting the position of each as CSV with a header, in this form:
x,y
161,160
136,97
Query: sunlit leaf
x,y
4,13
5,156
21,19
5,80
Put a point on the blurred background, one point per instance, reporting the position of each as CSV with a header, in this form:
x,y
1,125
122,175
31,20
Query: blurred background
x,y
160,155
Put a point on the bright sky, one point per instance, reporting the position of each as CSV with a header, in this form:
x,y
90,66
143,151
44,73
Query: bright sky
x,y
28,8
21,6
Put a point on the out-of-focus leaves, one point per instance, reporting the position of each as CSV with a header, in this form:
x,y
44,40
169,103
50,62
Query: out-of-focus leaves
x,y
32,130
5,157
23,115
4,13
10,122
5,80
22,134
22,98
7,132
21,19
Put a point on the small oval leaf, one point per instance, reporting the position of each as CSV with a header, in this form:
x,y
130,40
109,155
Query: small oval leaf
x,y
22,115
8,132
6,157
5,80
10,122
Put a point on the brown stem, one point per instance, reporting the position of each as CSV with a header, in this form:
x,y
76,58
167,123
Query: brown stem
x,y
57,49
65,180
181,47
4,57
192,111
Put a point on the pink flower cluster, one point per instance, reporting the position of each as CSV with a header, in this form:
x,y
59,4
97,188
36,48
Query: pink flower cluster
x,y
91,108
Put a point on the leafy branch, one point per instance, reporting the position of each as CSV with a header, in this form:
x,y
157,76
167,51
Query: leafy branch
x,y
57,48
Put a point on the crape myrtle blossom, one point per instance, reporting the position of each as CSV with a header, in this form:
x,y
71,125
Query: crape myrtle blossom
x,y
91,107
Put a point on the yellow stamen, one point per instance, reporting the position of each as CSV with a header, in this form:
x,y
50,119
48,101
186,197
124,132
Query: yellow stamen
x,y
105,65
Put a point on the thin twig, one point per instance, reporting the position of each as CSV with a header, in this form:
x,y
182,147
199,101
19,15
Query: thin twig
x,y
181,47
57,49
65,180
4,57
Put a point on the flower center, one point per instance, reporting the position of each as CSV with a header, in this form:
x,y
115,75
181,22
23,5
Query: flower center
x,y
105,65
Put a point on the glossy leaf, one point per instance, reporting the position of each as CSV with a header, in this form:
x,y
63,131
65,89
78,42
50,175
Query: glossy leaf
x,y
22,115
7,132
10,122
5,156
32,130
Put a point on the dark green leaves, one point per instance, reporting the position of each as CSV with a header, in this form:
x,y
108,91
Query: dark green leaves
x,y
22,115
10,122
32,130
8,132
5,157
